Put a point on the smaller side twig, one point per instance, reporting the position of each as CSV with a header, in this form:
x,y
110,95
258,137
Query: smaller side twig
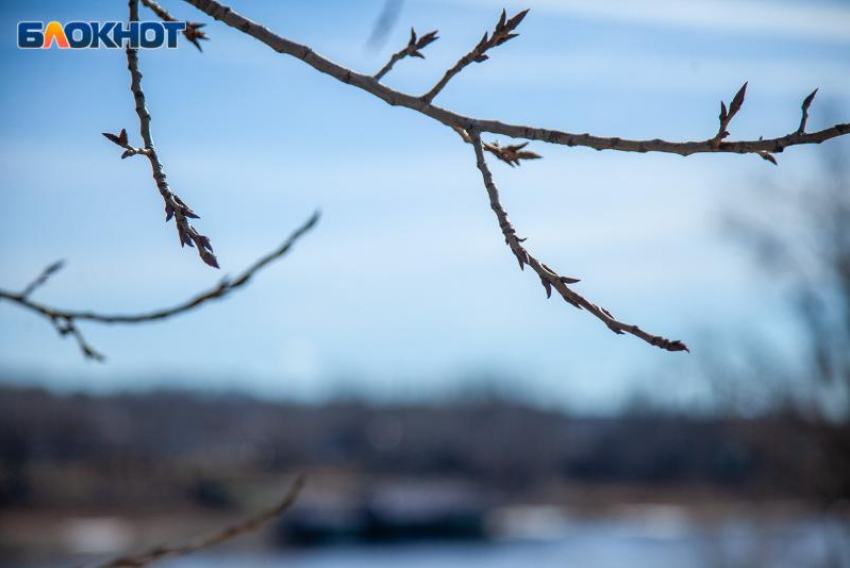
x,y
412,49
121,139
42,278
243,527
807,102
193,30
66,326
502,33
548,277
726,116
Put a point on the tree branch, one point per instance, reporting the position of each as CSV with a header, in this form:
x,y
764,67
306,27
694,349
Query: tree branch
x,y
412,49
243,527
548,277
65,321
174,206
396,98
471,128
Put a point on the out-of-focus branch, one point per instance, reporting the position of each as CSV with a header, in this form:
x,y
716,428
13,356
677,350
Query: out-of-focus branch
x,y
548,277
501,34
65,321
243,527
412,49
193,30
42,278
387,19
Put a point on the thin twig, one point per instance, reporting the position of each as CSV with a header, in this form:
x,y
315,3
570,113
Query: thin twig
x,y
174,206
412,49
243,527
727,116
501,34
42,278
548,277
807,102
65,320
193,30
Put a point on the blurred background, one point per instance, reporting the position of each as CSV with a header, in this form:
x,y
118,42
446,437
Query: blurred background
x,y
445,412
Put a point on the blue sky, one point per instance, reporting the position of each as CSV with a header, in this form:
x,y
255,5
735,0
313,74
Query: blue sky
x,y
406,287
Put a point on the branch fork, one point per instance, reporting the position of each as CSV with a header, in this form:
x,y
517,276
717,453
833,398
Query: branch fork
x,y
511,155
121,139
726,116
65,321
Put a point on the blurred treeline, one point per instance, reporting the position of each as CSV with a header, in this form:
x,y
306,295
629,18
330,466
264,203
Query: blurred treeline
x,y
153,451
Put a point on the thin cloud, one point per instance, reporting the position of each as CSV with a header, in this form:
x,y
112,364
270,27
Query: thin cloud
x,y
807,20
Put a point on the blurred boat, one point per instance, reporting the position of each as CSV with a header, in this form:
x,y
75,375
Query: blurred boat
x,y
392,512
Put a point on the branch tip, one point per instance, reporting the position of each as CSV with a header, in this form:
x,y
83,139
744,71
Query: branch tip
x,y
192,32
502,33
412,49
769,157
549,277
807,102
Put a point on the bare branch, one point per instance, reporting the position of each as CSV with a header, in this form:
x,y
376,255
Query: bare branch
x,y
174,206
243,527
192,32
396,98
42,278
412,49
548,277
502,33
65,321
471,128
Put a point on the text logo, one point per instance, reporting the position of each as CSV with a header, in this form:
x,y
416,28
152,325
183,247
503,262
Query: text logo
x,y
112,35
